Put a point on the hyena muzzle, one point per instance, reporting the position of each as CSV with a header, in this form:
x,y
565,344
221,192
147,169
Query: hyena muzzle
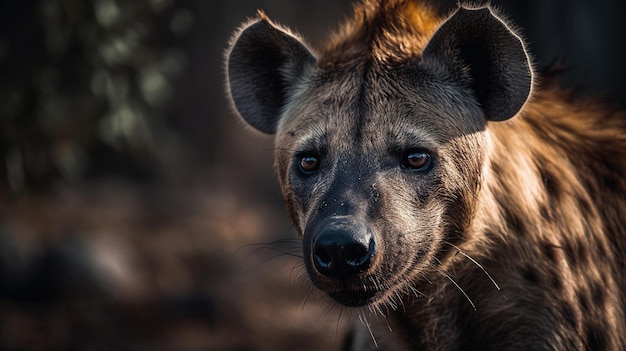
x,y
420,197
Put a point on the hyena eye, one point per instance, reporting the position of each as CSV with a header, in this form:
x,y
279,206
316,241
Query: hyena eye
x,y
309,164
417,160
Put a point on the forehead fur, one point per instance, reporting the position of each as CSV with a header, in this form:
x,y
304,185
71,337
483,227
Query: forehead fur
x,y
382,30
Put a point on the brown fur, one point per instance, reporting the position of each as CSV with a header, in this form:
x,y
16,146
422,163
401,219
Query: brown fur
x,y
514,240
550,214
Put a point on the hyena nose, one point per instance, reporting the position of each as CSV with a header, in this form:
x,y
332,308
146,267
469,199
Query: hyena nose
x,y
344,251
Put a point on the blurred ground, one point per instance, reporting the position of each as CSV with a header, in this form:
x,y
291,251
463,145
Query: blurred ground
x,y
112,266
136,210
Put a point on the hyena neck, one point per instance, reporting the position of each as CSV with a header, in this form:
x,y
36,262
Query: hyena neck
x,y
538,187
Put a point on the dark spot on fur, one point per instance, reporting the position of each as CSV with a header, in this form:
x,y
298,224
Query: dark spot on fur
x,y
584,205
551,183
549,251
531,274
576,253
570,254
568,313
600,247
611,180
514,221
546,212
582,252
598,294
596,337
497,170
583,300
555,281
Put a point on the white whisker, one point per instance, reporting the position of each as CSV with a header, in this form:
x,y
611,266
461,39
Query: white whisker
x,y
477,264
458,287
378,309
364,321
416,292
481,267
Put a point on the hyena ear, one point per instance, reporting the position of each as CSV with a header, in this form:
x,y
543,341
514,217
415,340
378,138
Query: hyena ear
x,y
264,63
480,49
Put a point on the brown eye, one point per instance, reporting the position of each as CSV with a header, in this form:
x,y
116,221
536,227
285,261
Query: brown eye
x,y
416,160
309,164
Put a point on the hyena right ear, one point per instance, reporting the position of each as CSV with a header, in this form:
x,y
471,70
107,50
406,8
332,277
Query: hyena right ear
x,y
264,63
482,51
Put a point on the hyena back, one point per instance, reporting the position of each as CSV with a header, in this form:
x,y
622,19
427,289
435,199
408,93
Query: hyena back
x,y
440,193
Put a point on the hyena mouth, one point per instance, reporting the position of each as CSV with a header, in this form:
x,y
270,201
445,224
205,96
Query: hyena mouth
x,y
340,254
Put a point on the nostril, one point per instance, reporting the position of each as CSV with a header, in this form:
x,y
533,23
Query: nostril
x,y
356,255
323,259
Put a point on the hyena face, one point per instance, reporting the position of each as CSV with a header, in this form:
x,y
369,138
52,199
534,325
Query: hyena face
x,y
372,178
380,140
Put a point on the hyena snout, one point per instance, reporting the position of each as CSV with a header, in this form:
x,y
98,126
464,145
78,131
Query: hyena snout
x,y
343,248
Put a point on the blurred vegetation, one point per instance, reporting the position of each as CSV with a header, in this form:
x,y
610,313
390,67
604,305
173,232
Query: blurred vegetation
x,y
85,87
94,88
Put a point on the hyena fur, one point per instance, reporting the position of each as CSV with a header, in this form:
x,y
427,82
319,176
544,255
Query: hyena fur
x,y
443,192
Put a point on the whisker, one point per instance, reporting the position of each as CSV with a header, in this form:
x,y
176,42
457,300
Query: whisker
x,y
298,266
401,301
329,305
482,268
339,315
364,321
455,284
416,292
388,325
477,264
309,292
274,247
379,310
391,303
458,287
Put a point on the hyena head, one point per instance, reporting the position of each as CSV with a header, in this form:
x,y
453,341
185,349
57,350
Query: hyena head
x,y
381,135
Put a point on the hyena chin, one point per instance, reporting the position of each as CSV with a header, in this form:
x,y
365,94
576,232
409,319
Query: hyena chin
x,y
433,183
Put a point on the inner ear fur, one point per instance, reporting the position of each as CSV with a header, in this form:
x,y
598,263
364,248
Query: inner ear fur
x,y
264,63
484,53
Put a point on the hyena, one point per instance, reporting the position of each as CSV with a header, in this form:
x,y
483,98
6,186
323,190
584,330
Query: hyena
x,y
443,192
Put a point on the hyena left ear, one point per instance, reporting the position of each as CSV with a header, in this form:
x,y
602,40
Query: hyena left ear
x,y
481,50
264,63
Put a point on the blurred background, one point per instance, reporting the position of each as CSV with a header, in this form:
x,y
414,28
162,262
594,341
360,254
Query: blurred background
x,y
138,213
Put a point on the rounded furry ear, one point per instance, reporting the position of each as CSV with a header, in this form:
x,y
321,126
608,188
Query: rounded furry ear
x,y
483,52
263,65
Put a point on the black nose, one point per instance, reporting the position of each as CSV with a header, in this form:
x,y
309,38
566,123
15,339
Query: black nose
x,y
341,251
